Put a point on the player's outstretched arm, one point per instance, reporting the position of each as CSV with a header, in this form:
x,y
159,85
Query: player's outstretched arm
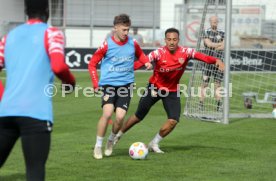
x,y
142,58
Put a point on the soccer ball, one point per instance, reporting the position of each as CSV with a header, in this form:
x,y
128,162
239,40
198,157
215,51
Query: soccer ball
x,y
138,151
274,113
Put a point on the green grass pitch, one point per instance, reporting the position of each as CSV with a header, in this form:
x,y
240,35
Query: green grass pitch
x,y
195,151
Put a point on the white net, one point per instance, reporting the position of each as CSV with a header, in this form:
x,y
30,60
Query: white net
x,y
252,62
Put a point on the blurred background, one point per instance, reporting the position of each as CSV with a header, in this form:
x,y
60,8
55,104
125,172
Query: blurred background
x,y
86,23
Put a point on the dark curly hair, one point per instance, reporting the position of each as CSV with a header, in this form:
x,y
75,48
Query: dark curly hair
x,y
37,9
171,30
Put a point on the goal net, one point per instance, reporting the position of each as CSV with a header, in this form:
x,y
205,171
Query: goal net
x,y
252,89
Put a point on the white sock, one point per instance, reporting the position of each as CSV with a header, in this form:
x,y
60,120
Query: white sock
x,y
99,141
119,134
157,139
111,136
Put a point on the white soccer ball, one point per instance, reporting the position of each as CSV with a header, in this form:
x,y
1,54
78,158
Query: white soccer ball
x,y
138,151
274,113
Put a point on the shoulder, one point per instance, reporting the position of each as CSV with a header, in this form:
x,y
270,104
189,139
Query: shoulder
x,y
208,30
161,50
185,49
104,45
51,30
221,31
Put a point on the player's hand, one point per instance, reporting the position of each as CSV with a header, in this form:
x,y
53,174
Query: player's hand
x,y
97,90
67,88
220,65
148,66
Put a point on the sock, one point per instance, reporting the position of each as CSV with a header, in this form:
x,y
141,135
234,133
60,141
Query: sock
x,y
99,141
111,136
157,139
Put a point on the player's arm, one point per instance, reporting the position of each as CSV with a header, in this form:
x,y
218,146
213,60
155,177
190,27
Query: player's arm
x,y
205,58
142,58
92,66
54,43
211,44
221,45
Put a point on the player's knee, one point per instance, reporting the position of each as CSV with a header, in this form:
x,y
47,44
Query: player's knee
x,y
120,118
106,116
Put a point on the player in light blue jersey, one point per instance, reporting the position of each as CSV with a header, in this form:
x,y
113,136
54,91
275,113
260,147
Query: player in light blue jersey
x,y
117,55
32,53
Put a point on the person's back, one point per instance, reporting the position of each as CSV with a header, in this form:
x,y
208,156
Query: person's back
x,y
28,72
138,37
32,53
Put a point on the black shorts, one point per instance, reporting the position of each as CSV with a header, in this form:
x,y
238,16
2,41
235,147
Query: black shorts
x,y
211,70
22,126
170,100
119,96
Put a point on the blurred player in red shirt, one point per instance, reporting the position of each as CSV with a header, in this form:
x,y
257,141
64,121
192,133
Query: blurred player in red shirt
x,y
170,63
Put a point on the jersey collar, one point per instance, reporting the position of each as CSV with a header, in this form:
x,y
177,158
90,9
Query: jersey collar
x,y
34,21
119,42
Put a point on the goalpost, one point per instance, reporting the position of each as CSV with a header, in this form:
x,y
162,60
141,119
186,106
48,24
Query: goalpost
x,y
251,62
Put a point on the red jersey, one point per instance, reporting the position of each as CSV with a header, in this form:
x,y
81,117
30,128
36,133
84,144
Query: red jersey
x,y
170,67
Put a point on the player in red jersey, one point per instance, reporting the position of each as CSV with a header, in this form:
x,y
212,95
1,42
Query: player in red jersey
x,y
170,63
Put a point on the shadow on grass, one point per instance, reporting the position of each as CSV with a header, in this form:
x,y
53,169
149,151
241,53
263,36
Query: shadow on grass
x,y
13,177
121,152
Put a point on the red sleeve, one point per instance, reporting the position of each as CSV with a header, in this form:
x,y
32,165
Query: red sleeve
x,y
140,54
95,59
205,58
54,43
138,65
1,90
2,48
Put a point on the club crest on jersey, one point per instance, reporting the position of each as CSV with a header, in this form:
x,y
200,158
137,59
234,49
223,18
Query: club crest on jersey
x,y
181,60
106,97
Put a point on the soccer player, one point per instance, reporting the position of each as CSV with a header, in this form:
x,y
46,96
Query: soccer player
x,y
117,55
32,53
214,45
170,63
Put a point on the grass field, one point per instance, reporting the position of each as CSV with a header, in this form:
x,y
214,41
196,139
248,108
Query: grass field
x,y
195,151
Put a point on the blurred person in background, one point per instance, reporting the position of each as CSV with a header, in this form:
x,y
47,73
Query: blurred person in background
x,y
138,37
32,53
214,46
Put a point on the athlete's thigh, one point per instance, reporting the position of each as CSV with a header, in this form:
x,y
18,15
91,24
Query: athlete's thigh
x,y
147,100
109,95
9,133
123,97
35,137
172,105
